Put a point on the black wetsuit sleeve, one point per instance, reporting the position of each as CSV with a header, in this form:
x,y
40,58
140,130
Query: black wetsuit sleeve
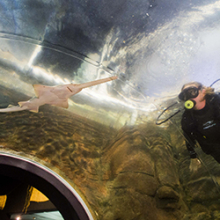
x,y
187,127
190,144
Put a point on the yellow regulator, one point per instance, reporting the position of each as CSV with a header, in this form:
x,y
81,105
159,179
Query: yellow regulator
x,y
189,104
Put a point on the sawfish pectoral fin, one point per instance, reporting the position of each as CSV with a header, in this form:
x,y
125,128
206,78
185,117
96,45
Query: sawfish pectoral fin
x,y
41,89
60,103
35,109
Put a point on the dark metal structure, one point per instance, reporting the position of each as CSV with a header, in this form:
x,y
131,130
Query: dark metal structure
x,y
19,170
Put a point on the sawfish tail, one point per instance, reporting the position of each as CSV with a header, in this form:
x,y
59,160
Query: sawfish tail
x,y
96,82
13,109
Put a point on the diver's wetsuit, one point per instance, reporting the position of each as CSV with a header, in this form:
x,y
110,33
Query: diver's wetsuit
x,y
204,126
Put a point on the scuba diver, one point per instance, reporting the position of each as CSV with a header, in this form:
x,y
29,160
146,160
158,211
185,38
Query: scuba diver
x,y
201,121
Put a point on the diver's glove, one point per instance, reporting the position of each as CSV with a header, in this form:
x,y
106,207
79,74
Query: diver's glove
x,y
195,164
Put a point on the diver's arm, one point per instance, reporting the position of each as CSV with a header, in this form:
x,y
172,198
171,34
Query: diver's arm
x,y
190,144
191,150
187,127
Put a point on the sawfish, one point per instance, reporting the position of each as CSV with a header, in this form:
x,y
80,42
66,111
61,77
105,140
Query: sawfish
x,y
53,95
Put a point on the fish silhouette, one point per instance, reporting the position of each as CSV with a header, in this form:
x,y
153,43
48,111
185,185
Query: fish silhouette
x,y
53,95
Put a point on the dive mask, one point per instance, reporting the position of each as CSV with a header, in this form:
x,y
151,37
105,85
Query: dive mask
x,y
189,93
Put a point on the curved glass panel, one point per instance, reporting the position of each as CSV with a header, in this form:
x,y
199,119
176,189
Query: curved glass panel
x,y
107,138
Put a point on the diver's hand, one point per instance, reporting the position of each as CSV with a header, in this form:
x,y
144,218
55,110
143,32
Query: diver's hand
x,y
194,164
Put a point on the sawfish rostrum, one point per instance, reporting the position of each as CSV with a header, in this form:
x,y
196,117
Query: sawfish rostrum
x,y
53,95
